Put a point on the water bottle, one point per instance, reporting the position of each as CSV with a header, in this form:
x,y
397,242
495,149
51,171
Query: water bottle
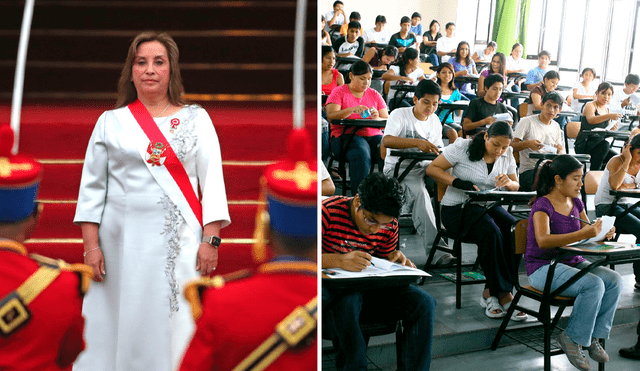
x,y
366,113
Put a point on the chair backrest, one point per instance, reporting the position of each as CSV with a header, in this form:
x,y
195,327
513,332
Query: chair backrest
x,y
520,236
524,109
426,67
592,180
572,129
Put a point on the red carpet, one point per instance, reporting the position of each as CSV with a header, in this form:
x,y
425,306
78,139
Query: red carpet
x,y
250,137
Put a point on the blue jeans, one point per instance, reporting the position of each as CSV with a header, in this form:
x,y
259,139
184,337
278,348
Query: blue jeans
x,y
343,310
492,234
596,294
630,223
359,155
325,144
434,59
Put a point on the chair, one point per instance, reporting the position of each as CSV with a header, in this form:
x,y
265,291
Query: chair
x,y
525,109
456,250
530,335
571,131
426,67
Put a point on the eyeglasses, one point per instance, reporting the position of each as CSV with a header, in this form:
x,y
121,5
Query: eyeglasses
x,y
372,222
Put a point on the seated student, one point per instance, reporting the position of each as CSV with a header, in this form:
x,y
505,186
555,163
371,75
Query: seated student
x,y
620,99
354,16
621,173
481,111
417,128
416,26
464,66
353,230
328,188
554,222
351,101
335,17
515,64
584,89
533,133
326,39
549,84
380,59
596,115
482,163
498,65
331,78
379,34
448,43
485,54
351,45
429,41
535,75
406,72
450,94
404,39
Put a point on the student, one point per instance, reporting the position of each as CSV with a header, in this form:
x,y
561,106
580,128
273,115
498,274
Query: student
x,y
498,65
331,78
429,41
596,115
351,45
515,64
416,26
536,74
620,99
354,16
404,39
379,34
584,89
481,163
353,230
380,59
350,101
406,72
553,222
533,133
336,16
450,94
464,66
413,129
485,54
327,187
326,39
549,84
621,173
448,43
481,111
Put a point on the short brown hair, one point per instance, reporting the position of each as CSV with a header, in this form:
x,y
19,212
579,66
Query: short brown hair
x,y
127,91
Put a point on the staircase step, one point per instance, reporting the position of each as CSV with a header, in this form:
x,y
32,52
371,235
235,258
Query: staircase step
x,y
233,254
56,221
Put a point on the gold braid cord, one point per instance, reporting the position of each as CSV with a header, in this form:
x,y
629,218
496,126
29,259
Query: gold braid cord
x,y
259,250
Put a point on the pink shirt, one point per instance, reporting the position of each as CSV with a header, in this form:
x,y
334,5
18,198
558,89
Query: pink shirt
x,y
342,97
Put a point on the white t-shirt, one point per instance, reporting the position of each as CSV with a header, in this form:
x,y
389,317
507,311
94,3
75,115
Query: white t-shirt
x,y
325,173
513,65
339,20
591,90
404,124
483,57
414,75
531,127
616,100
371,35
347,47
446,44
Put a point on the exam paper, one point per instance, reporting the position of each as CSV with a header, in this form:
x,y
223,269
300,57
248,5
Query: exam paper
x,y
607,224
503,117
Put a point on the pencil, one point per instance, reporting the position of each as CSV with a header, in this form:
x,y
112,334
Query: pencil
x,y
584,221
359,249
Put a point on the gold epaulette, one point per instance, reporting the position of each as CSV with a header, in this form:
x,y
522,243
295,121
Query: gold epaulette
x,y
85,272
193,290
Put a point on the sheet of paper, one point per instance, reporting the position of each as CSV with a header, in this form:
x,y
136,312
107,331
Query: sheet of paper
x,y
549,149
503,117
378,268
607,224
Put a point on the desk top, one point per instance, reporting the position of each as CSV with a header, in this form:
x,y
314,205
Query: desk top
x,y
508,94
623,135
585,100
462,104
403,87
500,195
516,75
561,113
373,44
611,249
347,59
361,123
367,283
550,156
466,79
632,193
413,154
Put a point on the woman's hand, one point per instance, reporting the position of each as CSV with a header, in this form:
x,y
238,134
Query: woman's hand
x,y
397,256
375,115
615,127
502,180
593,229
409,80
359,109
463,73
614,116
626,156
95,260
611,234
207,260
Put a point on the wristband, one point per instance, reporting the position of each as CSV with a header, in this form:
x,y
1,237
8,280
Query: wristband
x,y
84,254
465,185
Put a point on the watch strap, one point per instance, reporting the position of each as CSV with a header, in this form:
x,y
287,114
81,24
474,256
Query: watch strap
x,y
212,240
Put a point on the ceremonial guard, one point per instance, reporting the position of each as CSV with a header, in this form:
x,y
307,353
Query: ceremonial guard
x,y
266,319
41,323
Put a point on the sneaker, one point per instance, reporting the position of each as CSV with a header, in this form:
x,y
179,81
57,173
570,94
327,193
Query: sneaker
x,y
596,352
445,260
574,352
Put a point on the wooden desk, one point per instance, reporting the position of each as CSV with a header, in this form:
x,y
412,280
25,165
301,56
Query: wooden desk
x,y
355,124
561,113
413,156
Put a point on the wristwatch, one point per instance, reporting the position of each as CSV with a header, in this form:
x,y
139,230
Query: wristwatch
x,y
212,240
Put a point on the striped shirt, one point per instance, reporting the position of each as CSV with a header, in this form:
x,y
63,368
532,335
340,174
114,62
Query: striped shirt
x,y
338,228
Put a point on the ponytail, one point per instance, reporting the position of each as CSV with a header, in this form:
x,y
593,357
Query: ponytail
x,y
562,166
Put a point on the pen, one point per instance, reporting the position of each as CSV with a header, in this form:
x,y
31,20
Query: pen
x,y
358,249
584,221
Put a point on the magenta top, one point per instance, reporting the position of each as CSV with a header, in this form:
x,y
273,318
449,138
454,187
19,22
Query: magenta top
x,y
342,97
534,256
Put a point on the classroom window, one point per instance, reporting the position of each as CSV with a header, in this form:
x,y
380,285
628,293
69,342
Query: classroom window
x,y
635,56
620,40
571,38
485,19
553,21
534,26
596,34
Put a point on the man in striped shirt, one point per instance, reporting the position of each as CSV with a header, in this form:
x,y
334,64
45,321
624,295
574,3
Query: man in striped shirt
x,y
353,230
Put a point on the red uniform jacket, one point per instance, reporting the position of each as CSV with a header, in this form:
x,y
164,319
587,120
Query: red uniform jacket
x,y
239,316
52,338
